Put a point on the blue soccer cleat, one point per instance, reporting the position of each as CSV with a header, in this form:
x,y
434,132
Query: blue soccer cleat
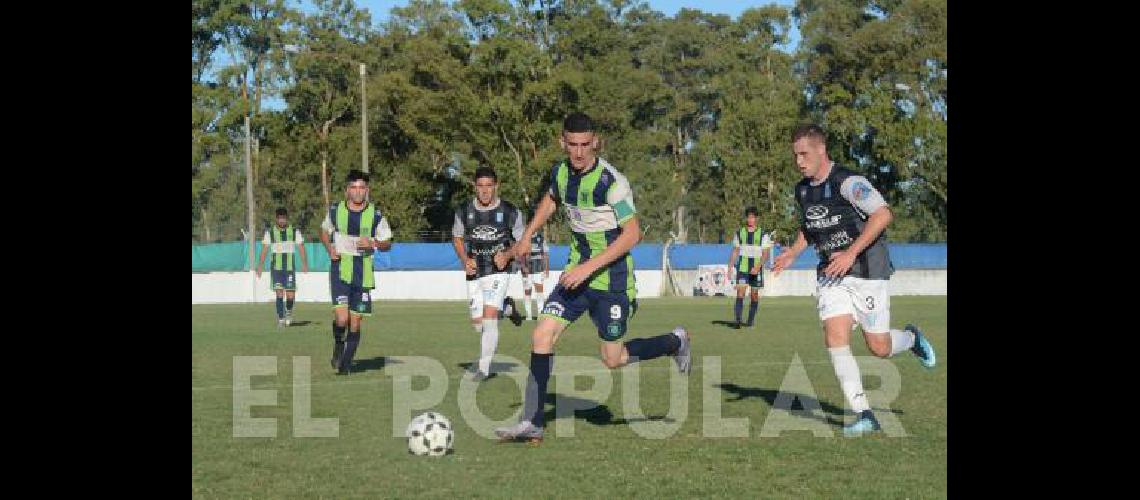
x,y
922,347
866,423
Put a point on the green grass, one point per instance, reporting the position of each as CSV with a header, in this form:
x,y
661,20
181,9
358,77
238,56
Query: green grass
x,y
605,457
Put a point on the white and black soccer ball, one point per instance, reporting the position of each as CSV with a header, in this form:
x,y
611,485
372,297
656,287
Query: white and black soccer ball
x,y
430,434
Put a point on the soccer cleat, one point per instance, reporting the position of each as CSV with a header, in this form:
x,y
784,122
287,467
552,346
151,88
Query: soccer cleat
x,y
922,347
280,322
683,356
522,431
478,376
289,318
864,424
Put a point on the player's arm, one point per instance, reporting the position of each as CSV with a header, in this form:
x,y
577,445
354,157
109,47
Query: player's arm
x,y
460,252
460,249
326,238
876,223
766,246
630,235
546,258
789,255
328,244
264,253
301,250
518,230
545,209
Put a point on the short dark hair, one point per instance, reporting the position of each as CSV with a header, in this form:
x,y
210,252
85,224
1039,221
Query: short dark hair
x,y
577,122
356,175
486,171
281,211
810,130
751,211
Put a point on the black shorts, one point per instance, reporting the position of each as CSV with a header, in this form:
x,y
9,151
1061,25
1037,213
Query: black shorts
x,y
752,280
283,280
357,299
608,310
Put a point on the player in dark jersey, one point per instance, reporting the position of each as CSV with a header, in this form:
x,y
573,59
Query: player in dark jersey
x,y
845,218
483,232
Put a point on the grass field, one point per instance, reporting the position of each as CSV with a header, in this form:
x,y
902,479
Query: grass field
x,y
605,456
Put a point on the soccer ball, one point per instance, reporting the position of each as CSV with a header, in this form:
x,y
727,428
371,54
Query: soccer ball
x,y
430,434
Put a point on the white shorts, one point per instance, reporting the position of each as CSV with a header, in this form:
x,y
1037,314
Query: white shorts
x,y
532,279
488,290
867,301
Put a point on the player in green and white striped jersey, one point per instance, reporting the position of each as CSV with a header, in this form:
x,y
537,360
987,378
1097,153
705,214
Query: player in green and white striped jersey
x,y
599,276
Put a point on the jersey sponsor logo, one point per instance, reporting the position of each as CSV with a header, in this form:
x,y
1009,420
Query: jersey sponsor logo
x,y
837,240
488,251
816,212
485,233
823,223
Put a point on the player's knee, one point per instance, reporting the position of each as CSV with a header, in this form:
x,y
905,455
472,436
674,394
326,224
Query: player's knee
x,y
541,341
880,348
837,338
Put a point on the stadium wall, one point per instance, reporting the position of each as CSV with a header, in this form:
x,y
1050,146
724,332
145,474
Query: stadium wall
x,y
429,271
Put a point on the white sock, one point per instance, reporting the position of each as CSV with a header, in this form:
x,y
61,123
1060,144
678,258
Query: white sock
x,y
489,343
538,300
849,379
527,302
901,340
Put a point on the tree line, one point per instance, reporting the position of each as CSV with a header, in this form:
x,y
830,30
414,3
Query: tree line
x,y
696,109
